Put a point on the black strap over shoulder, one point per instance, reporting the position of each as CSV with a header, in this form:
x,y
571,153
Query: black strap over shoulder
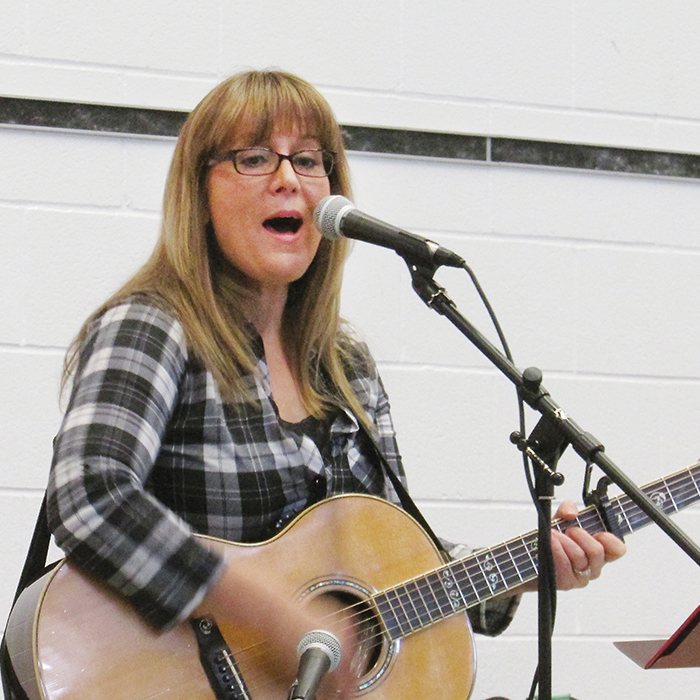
x,y
34,566
407,502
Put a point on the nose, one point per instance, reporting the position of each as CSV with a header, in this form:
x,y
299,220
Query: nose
x,y
285,176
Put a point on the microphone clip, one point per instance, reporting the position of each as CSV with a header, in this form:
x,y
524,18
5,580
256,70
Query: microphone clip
x,y
433,295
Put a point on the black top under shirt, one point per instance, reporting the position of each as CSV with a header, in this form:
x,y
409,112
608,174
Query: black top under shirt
x,y
318,429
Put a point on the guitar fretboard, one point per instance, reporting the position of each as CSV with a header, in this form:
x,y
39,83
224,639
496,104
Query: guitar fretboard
x,y
462,584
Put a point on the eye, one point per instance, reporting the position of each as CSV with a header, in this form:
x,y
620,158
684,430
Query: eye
x,y
308,160
253,159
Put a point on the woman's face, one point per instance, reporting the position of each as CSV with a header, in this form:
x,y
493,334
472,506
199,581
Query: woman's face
x,y
264,224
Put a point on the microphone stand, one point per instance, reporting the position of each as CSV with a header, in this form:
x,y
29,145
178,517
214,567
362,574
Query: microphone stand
x,y
553,433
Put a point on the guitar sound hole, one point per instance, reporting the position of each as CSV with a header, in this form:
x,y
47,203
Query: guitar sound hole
x,y
374,653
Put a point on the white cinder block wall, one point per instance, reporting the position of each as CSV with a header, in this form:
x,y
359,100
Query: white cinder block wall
x,y
593,275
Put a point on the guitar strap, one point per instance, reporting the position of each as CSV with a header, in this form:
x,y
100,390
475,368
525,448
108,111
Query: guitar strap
x,y
407,502
34,566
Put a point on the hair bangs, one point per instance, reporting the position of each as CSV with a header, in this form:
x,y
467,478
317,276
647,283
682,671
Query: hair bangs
x,y
268,101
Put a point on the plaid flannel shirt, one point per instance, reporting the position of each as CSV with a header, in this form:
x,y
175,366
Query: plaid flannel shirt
x,y
148,453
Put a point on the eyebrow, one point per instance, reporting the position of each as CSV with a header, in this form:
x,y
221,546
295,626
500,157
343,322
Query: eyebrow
x,y
301,145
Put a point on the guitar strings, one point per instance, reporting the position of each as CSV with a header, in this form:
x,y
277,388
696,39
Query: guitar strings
x,y
250,655
678,489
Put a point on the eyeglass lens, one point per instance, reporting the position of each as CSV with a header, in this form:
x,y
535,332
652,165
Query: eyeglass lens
x,y
261,161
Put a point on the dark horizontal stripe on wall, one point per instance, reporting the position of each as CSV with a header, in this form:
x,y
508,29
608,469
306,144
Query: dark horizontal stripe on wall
x,y
415,143
618,160
90,117
157,122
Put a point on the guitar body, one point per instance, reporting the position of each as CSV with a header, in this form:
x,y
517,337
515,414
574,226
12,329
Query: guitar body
x,y
71,639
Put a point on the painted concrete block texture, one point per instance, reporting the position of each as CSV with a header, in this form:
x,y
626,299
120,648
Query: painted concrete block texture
x,y
593,275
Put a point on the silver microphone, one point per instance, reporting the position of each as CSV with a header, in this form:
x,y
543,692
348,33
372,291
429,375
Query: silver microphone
x,y
319,653
336,217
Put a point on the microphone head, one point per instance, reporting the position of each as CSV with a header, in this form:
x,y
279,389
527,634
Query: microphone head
x,y
323,640
329,213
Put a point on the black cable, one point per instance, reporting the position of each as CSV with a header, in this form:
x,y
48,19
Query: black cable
x,y
544,558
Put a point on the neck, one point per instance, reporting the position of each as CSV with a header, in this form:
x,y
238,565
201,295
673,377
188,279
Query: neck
x,y
265,310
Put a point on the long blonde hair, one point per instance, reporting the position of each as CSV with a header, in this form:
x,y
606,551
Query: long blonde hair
x,y
189,277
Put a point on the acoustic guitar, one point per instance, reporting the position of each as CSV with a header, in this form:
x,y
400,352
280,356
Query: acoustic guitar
x,y
69,638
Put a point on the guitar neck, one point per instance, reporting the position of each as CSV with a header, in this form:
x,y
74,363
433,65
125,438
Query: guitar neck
x,y
464,583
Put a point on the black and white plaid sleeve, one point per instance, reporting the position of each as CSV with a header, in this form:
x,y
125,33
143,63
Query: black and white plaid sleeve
x,y
123,395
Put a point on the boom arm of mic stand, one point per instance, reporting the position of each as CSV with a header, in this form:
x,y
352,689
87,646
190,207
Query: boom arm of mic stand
x,y
538,398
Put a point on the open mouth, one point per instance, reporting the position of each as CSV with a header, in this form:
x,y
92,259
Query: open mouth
x,y
283,224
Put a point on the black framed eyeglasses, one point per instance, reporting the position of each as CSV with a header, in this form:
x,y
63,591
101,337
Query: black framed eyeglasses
x,y
314,162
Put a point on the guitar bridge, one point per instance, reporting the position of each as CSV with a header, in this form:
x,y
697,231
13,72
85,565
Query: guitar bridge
x,y
218,662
